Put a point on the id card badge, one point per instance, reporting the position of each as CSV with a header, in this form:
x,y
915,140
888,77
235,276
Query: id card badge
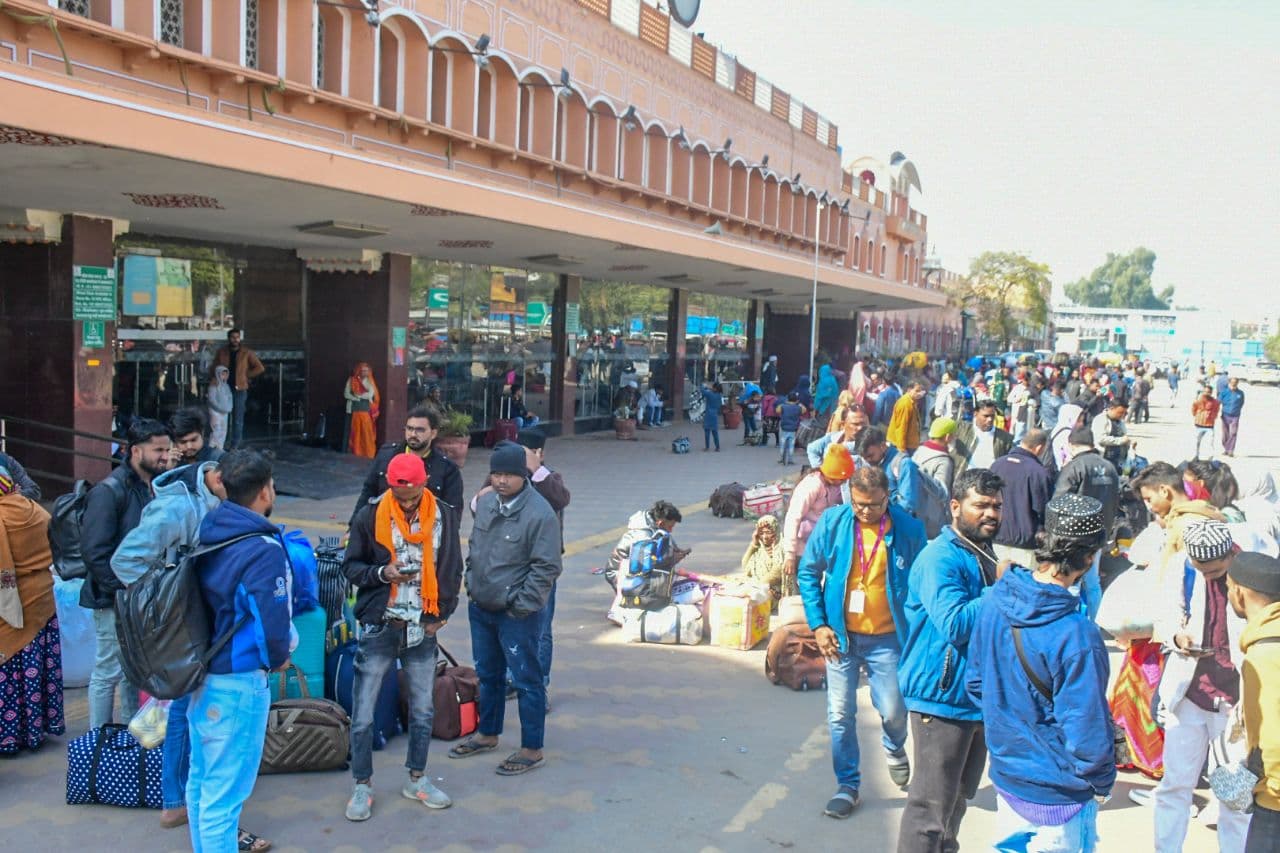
x,y
414,635
857,601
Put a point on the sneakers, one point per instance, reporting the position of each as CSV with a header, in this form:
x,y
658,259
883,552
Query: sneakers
x,y
899,768
360,806
842,804
423,791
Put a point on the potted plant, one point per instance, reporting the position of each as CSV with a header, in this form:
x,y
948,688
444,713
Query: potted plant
x,y
624,423
732,412
454,436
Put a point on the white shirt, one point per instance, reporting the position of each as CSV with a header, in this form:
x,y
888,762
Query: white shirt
x,y
984,449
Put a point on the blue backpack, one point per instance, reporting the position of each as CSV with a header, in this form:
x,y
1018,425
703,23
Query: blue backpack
x,y
650,573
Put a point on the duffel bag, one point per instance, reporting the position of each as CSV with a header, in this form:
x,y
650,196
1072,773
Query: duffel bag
x,y
456,695
726,500
677,624
305,734
108,766
793,659
762,499
339,685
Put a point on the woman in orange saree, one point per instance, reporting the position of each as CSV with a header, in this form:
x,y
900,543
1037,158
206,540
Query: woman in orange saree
x,y
362,397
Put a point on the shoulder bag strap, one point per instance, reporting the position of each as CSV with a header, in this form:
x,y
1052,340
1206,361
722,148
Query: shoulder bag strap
x,y
217,644
1036,682
453,662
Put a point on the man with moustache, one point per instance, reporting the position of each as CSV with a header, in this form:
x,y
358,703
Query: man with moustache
x,y
444,480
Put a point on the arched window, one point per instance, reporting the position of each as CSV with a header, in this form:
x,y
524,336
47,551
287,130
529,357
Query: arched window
x,y
884,255
857,251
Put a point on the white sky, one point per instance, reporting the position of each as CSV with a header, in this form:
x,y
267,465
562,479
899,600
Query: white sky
x,y
1061,130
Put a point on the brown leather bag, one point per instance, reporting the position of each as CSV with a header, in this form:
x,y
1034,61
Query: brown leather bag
x,y
793,659
456,695
305,734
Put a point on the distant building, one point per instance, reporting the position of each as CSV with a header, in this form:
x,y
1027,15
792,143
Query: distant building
x,y
1153,333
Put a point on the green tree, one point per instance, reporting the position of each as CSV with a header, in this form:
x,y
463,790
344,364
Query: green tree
x,y
1272,348
1123,281
1003,289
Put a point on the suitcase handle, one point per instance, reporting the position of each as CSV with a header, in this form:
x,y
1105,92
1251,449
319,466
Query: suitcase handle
x,y
303,691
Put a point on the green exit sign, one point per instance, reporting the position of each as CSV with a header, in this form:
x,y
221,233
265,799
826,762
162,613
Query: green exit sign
x,y
438,299
535,313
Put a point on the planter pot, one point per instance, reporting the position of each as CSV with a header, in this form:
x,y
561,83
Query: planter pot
x,y
732,418
455,447
625,428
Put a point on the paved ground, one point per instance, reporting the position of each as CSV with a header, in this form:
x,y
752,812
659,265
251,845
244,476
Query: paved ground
x,y
649,747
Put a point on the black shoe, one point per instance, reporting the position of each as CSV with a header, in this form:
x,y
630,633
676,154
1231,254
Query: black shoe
x,y
899,768
842,804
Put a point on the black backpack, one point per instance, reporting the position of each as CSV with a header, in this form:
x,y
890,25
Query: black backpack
x,y
64,527
726,500
162,623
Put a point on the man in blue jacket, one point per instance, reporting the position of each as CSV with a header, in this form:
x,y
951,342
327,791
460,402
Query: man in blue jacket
x,y
853,580
905,489
945,591
888,398
1038,672
246,588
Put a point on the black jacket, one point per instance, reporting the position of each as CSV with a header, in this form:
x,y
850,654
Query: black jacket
x,y
365,556
1090,474
1027,488
111,511
443,479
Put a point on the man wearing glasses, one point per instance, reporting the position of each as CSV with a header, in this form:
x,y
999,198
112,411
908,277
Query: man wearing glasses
x,y
443,477
853,580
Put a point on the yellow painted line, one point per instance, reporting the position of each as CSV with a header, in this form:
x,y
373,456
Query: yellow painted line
x,y
306,522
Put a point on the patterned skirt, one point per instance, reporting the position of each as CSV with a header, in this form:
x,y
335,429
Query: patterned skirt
x,y
1132,701
31,693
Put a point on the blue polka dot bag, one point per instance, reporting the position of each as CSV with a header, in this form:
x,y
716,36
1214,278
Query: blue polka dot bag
x,y
109,767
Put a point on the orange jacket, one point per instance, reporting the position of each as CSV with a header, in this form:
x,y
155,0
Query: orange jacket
x,y
247,367
1205,412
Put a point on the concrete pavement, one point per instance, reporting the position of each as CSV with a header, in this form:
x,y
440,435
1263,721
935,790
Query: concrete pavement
x,y
649,747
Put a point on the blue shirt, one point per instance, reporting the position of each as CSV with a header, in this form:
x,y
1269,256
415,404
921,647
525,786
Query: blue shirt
x,y
715,402
1232,402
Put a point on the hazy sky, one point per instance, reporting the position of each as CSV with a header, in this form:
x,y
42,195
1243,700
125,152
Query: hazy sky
x,y
1062,130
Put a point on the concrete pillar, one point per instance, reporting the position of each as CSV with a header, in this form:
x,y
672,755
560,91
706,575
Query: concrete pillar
x,y
677,322
351,317
755,342
49,376
564,365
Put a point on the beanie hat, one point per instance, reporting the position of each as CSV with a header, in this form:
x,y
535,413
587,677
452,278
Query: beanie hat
x,y
942,427
406,469
534,439
1074,516
1257,572
508,458
1208,540
837,463
1082,436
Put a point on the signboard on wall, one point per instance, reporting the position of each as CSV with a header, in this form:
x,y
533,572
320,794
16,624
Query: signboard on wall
x,y
93,293
399,341
94,334
572,319
159,287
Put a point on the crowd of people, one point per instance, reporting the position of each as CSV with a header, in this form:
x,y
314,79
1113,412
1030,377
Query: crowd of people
x,y
947,540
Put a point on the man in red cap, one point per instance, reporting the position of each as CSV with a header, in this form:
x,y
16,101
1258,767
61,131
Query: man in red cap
x,y
405,561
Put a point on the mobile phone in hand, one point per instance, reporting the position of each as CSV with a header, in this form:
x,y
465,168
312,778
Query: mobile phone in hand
x,y
408,570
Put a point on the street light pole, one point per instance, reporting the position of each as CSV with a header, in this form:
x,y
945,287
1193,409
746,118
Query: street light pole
x,y
813,302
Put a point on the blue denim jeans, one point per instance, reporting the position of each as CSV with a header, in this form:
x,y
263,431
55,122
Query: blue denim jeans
x,y
655,415
379,647
880,653
500,642
227,720
236,435
1015,834
545,639
176,754
787,442
710,429
107,674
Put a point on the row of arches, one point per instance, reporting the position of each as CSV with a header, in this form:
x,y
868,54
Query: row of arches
x,y
895,337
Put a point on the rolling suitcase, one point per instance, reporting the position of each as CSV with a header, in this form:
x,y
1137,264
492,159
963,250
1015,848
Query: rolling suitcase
x,y
504,428
339,684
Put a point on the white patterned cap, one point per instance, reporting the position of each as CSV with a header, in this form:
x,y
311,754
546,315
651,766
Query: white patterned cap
x,y
1073,516
1208,540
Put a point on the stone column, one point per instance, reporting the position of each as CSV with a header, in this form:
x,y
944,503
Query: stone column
x,y
755,342
564,364
677,322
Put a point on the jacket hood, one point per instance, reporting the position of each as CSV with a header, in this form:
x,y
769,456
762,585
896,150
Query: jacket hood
x,y
1263,625
640,520
1204,508
1026,602
925,453
823,372
229,520
187,479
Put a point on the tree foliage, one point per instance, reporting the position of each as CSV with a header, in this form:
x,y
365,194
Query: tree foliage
x,y
1002,290
1272,348
1123,281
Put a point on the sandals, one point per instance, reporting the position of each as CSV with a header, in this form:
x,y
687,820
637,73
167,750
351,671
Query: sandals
x,y
470,747
516,764
251,843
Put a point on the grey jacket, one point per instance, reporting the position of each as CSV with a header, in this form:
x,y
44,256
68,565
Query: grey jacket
x,y
513,557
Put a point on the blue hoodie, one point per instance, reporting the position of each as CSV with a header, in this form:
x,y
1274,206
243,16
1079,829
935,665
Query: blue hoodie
x,y
249,578
827,392
823,572
945,589
1050,753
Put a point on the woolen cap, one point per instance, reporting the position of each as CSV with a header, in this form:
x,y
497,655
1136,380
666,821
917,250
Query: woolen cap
x,y
406,469
1074,516
837,463
1208,540
1257,572
534,439
942,427
508,458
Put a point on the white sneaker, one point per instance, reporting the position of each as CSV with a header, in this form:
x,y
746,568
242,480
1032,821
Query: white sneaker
x,y
423,791
360,806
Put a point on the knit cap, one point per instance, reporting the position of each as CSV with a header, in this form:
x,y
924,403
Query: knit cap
x,y
1208,540
942,427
